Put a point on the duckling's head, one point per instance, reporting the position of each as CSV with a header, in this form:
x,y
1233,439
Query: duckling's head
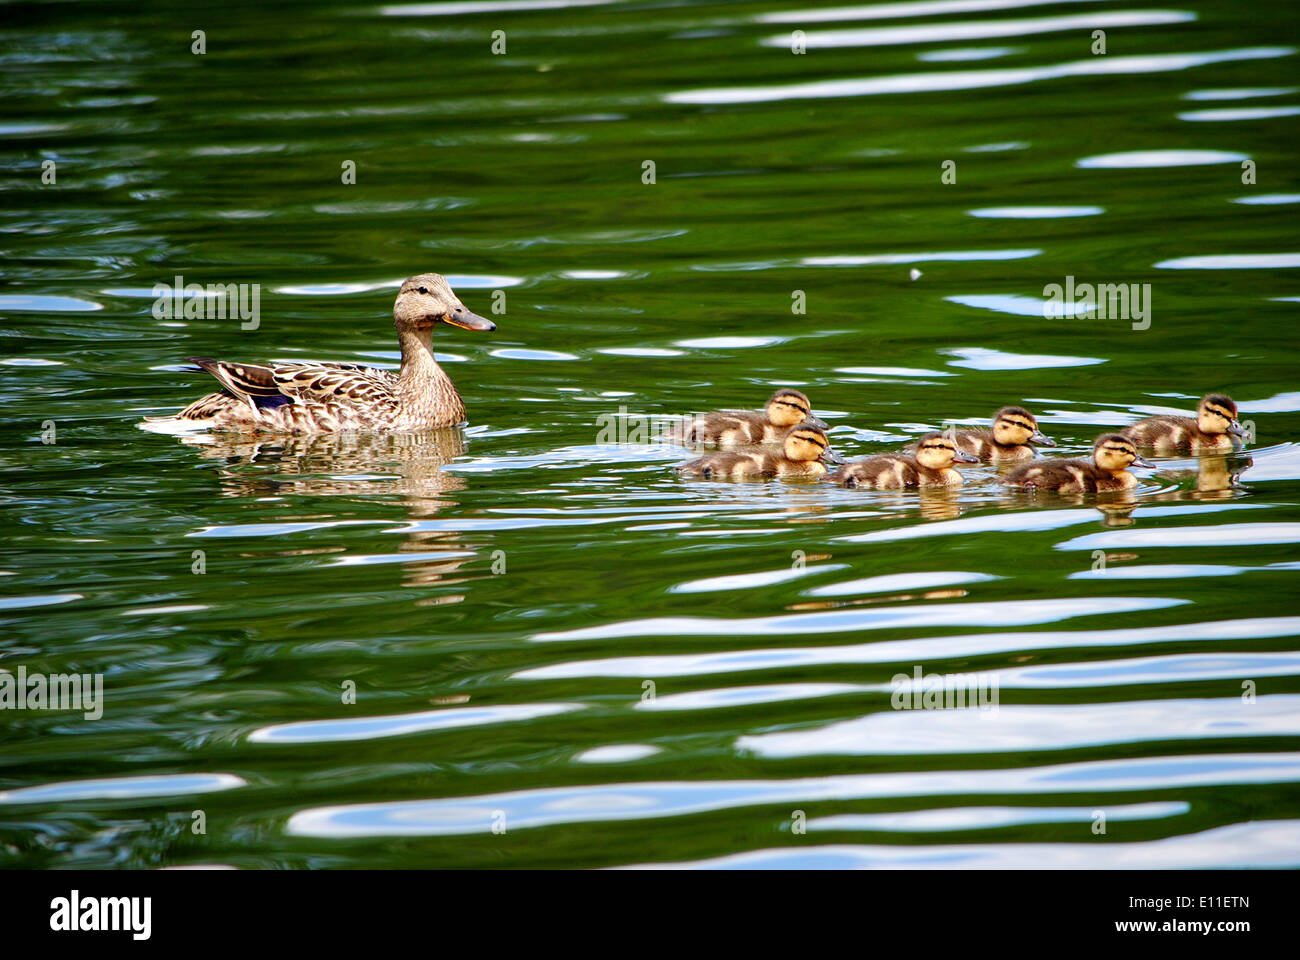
x,y
1218,414
789,408
1015,426
1113,453
807,442
937,452
426,299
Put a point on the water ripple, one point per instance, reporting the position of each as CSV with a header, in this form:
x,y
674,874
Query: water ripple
x,y
980,29
125,788
922,650
995,614
596,803
946,81
947,819
370,728
1037,727
1260,843
1221,535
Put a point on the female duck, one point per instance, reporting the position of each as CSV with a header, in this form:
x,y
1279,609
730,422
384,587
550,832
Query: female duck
x,y
1014,429
1212,430
305,398
736,428
931,467
804,452
1112,455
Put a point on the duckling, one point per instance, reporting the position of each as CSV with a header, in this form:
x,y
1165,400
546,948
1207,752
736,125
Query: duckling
x,y
804,452
1014,429
309,398
1212,430
1112,455
931,467
736,428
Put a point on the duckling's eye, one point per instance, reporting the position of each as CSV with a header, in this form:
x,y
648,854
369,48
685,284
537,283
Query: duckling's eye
x,y
424,289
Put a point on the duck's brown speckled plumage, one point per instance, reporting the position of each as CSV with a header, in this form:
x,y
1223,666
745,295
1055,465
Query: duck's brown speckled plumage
x,y
931,467
1211,430
737,428
315,397
1107,470
804,451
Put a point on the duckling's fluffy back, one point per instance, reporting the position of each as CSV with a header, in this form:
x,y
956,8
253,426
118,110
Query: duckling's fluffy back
x,y
893,472
753,464
1173,434
726,428
1069,476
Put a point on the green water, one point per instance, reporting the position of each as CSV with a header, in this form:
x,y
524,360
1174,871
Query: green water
x,y
505,601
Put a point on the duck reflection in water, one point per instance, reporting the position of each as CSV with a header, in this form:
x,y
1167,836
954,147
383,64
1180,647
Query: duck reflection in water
x,y
1217,478
379,466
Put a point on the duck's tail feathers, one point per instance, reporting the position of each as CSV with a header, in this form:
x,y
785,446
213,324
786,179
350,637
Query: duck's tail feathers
x,y
247,381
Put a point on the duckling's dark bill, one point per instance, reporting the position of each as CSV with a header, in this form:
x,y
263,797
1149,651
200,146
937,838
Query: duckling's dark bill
x,y
961,456
1042,439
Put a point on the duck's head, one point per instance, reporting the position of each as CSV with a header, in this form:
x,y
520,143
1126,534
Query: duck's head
x,y
1016,426
1218,414
789,408
937,452
427,299
807,442
1113,453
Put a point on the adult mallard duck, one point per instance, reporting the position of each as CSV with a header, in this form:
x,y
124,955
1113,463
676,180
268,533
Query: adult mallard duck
x,y
312,397
931,467
737,428
1212,430
1014,430
1112,455
804,451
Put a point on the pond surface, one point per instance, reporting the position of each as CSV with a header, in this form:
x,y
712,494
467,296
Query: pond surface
x,y
561,653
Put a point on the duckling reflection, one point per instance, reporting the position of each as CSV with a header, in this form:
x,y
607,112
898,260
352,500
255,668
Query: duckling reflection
x,y
928,503
1118,509
1217,478
354,465
939,503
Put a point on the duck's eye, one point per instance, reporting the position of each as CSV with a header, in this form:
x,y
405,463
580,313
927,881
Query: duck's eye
x,y
424,289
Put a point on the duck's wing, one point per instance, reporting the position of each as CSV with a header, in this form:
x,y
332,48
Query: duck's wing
x,y
301,382
245,380
326,384
341,384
